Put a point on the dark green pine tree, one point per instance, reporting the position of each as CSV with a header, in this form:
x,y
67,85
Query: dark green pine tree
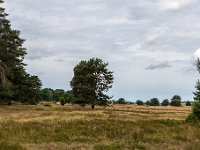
x,y
196,105
12,54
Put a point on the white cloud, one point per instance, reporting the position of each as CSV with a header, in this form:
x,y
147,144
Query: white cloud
x,y
156,33
173,4
197,54
159,55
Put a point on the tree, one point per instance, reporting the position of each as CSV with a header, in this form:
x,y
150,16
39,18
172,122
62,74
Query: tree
x,y
154,102
188,103
195,116
147,103
69,97
28,90
90,82
62,101
12,54
139,102
57,94
121,101
165,102
176,100
46,94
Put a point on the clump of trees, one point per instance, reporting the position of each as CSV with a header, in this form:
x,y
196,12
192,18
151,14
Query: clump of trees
x,y
92,79
15,83
49,94
195,116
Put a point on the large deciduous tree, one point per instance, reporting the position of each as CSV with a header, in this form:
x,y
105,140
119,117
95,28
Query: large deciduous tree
x,y
15,82
90,82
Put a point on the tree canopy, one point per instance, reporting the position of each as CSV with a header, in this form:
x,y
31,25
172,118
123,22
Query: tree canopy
x,y
22,86
154,102
165,102
90,82
176,100
195,116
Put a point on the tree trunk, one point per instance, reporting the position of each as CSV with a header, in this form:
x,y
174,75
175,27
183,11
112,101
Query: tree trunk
x,y
3,78
93,106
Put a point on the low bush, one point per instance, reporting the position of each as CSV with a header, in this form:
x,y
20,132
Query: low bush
x,y
192,118
139,102
62,101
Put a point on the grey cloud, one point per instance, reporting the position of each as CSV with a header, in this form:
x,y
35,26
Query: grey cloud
x,y
162,65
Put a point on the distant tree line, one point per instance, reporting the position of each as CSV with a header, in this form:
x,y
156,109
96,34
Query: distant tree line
x,y
175,101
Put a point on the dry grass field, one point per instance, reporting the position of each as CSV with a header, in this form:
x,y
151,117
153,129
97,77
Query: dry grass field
x,y
121,127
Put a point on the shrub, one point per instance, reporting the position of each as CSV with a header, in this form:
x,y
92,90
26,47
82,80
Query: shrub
x,y
32,102
196,110
192,118
154,102
121,101
188,103
148,103
62,101
139,102
176,100
165,102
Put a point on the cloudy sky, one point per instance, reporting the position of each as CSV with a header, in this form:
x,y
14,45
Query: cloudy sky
x,y
151,45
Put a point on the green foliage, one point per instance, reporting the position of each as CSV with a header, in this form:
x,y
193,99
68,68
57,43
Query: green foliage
x,y
154,102
165,102
22,86
196,110
28,90
46,94
5,93
57,94
62,101
196,106
147,103
69,96
176,100
192,118
90,82
139,102
188,103
121,101
32,102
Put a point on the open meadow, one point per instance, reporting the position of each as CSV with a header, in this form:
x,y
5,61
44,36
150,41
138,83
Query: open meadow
x,y
55,127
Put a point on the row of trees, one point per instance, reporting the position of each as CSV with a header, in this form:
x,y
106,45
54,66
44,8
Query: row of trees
x,y
175,101
15,83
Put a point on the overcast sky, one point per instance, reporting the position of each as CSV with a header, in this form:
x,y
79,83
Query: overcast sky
x,y
151,45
